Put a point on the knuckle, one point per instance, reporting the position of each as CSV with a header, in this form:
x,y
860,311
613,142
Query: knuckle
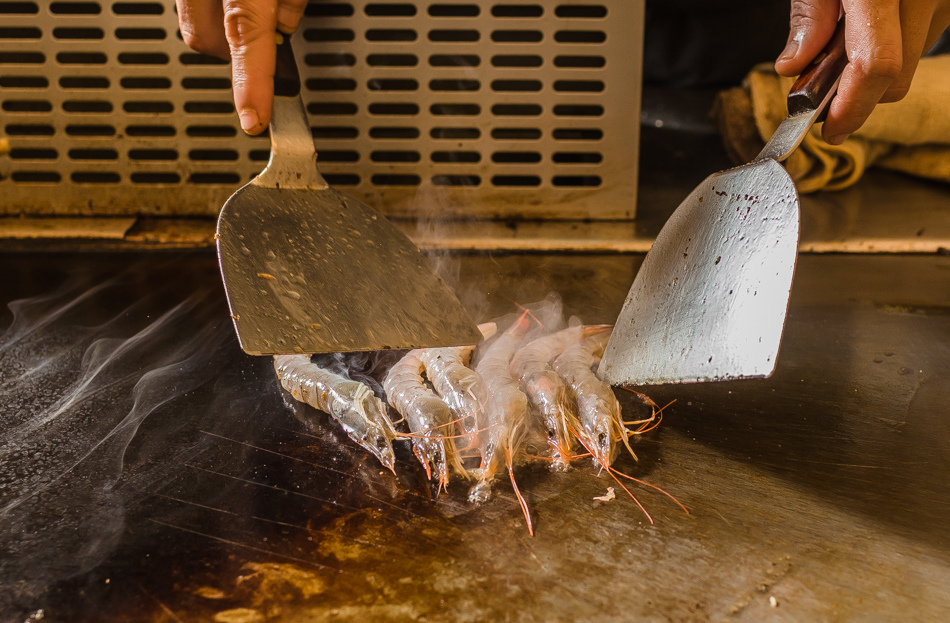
x,y
243,24
805,15
895,93
884,62
193,40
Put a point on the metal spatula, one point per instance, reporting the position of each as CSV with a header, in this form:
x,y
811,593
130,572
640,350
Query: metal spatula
x,y
709,301
308,269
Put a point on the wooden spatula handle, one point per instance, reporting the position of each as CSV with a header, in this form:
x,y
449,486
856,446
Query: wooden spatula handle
x,y
286,76
813,85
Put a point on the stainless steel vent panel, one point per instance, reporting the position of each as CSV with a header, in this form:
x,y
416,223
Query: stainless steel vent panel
x,y
480,109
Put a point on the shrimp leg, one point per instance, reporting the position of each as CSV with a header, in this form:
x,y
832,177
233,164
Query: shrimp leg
x,y
548,392
351,403
429,418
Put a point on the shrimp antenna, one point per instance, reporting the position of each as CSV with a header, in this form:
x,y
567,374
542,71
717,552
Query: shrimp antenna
x,y
527,312
610,472
620,473
521,501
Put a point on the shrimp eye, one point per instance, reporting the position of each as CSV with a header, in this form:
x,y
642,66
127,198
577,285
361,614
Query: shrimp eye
x,y
550,432
602,438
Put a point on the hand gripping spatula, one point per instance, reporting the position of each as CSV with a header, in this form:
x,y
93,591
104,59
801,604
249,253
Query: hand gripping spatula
x,y
709,301
308,269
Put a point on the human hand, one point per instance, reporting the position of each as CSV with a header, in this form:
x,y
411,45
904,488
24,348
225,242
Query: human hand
x,y
884,40
244,32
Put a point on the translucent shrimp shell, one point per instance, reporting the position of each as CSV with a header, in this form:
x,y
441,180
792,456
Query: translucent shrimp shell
x,y
601,424
460,387
548,392
429,418
505,418
351,403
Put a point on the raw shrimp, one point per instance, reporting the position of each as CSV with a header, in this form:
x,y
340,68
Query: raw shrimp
x,y
506,415
601,424
548,393
351,403
429,419
460,387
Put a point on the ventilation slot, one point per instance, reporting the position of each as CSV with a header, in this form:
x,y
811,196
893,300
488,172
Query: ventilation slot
x,y
516,157
576,180
209,108
580,36
391,34
456,180
74,8
330,60
150,130
22,58
18,8
148,107
153,155
390,10
36,177
87,106
517,10
580,11
454,10
137,8
390,179
331,108
394,109
36,106
95,177
140,34
392,60
93,154
517,36
21,153
395,156
454,60
516,180
456,110
329,10
511,60
155,178
466,157
81,58
454,36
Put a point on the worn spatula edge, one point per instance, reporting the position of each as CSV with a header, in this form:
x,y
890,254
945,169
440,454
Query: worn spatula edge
x,y
710,300
308,269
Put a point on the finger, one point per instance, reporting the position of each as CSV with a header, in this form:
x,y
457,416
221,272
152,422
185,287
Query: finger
x,y
810,28
289,13
940,23
915,26
250,26
873,42
202,26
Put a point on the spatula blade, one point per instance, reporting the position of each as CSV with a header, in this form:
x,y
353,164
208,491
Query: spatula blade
x,y
709,301
319,272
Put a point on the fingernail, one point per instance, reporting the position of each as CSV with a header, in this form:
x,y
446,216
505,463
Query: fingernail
x,y
837,139
789,52
249,119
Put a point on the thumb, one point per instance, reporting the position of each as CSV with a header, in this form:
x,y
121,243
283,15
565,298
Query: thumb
x,y
811,25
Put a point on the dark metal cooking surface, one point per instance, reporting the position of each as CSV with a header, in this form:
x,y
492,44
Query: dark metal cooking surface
x,y
151,471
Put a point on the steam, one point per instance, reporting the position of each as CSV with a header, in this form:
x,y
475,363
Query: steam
x,y
74,398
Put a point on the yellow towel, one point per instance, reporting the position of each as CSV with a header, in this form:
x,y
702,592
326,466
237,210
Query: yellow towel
x,y
912,135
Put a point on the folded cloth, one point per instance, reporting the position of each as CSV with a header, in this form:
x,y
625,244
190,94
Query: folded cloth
x,y
912,135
